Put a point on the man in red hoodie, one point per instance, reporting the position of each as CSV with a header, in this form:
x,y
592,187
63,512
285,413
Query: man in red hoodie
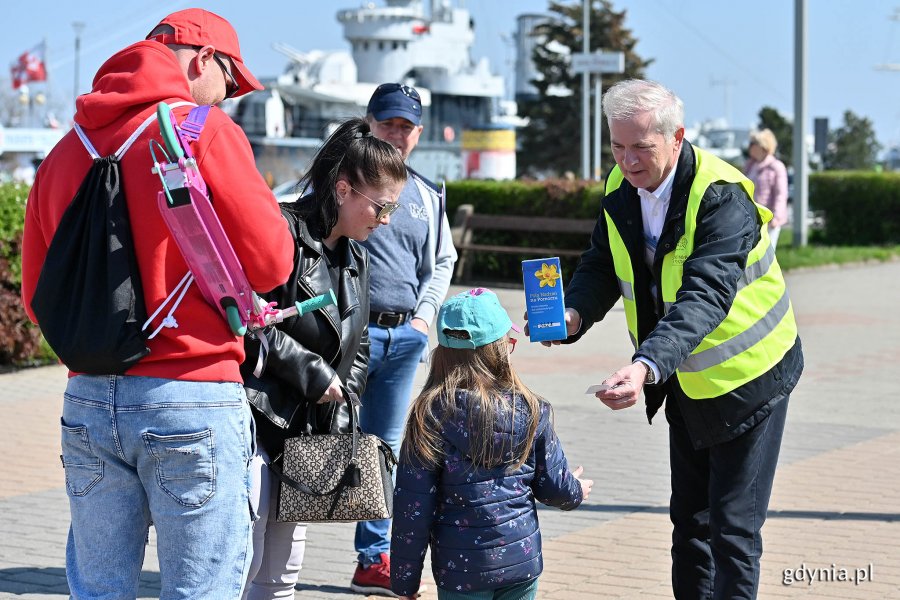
x,y
168,442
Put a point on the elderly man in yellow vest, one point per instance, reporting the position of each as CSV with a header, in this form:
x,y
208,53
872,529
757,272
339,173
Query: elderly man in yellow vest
x,y
682,243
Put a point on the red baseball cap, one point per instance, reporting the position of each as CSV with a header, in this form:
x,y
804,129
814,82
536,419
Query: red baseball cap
x,y
198,27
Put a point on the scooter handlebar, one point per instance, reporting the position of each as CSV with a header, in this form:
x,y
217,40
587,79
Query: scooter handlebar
x,y
299,309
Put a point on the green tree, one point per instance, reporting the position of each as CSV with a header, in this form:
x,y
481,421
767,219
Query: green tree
x,y
783,128
551,143
852,146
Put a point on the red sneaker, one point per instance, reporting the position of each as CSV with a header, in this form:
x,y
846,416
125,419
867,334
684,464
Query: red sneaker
x,y
374,579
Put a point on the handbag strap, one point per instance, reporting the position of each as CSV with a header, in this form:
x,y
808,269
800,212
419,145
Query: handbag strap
x,y
350,475
305,489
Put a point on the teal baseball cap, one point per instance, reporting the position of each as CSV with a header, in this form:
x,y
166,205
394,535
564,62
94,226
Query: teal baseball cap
x,y
472,319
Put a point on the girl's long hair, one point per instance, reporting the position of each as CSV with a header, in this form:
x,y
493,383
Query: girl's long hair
x,y
492,385
351,152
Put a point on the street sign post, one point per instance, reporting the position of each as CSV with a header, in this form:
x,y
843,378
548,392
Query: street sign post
x,y
599,63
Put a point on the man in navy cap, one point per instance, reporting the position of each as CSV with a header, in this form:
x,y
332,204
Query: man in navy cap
x,y
410,270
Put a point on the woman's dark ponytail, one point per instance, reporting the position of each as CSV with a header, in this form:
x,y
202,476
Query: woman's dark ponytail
x,y
351,152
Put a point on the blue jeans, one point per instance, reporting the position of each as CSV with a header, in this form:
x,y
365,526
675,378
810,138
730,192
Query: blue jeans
x,y
141,450
394,354
720,496
526,590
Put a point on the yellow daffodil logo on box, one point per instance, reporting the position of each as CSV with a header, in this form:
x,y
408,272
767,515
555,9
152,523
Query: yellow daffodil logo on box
x,y
547,275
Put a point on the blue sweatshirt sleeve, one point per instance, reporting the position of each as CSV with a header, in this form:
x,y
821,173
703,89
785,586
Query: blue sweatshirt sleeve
x,y
553,483
414,505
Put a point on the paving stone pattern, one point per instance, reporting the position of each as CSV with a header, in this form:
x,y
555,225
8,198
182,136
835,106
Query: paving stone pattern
x,y
834,514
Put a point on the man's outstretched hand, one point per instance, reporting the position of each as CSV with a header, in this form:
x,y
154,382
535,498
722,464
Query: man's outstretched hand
x,y
625,386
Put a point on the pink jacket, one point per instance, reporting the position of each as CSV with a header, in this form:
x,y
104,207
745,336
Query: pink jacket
x,y
769,177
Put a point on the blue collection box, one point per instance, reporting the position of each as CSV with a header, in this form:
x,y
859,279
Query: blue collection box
x,y
544,299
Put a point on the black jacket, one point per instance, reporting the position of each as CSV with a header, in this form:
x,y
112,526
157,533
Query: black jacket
x,y
306,352
728,227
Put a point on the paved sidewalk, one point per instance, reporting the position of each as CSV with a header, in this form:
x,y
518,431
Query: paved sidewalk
x,y
835,510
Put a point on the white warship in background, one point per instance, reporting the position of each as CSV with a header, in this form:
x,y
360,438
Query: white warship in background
x,y
469,127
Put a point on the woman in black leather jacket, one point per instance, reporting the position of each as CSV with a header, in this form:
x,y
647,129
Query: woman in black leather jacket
x,y
352,186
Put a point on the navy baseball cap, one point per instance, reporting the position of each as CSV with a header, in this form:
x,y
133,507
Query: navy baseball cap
x,y
391,100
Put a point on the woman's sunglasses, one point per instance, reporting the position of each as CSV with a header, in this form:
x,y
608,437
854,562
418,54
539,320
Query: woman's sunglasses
x,y
385,208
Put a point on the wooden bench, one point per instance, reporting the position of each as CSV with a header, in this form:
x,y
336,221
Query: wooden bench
x,y
467,222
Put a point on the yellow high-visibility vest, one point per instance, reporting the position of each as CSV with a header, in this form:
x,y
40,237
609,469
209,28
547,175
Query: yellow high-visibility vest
x,y
759,328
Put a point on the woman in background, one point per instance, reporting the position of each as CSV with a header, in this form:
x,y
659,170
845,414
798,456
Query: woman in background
x,y
769,177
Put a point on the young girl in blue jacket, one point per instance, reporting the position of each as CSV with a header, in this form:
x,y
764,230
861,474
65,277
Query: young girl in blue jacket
x,y
479,449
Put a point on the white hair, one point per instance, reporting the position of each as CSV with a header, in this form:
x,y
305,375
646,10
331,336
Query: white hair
x,y
631,97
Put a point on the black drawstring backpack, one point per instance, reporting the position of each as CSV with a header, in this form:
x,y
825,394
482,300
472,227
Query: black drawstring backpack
x,y
89,301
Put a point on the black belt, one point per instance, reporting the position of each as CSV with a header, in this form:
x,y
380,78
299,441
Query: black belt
x,y
388,319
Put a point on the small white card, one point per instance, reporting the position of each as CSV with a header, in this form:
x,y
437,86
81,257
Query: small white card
x,y
600,387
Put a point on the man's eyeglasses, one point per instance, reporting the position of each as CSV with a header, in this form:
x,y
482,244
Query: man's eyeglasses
x,y
409,91
385,208
231,85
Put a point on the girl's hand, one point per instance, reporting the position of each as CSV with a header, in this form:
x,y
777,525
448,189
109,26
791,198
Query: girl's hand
x,y
586,484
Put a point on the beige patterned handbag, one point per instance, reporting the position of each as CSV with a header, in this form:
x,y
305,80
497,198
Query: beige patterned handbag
x,y
335,477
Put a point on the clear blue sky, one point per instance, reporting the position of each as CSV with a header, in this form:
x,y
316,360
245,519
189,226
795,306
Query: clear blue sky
x,y
706,50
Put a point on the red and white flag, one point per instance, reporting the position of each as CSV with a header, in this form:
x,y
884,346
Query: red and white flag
x,y
30,66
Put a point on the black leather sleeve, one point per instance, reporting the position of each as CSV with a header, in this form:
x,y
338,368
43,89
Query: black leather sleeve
x,y
359,370
297,366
